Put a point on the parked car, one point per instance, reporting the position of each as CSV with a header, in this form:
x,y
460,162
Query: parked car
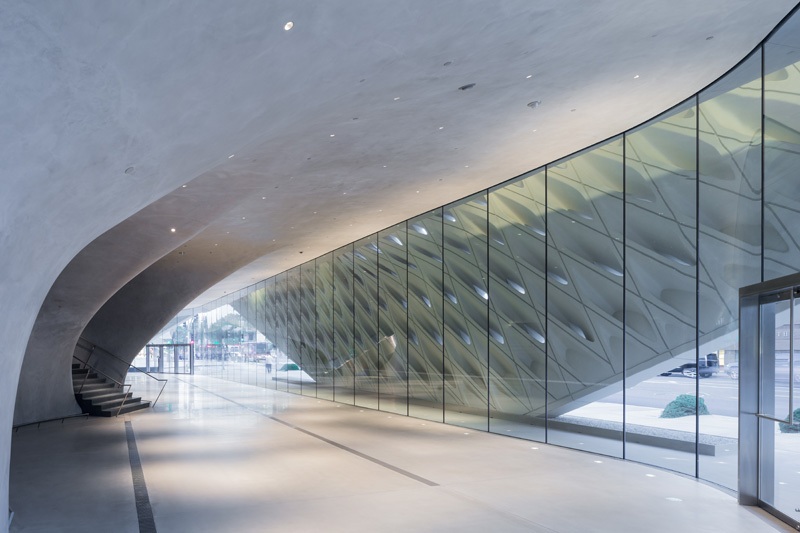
x,y
709,365
732,370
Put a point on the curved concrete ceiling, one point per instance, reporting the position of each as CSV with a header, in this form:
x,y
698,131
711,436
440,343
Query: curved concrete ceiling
x,y
348,123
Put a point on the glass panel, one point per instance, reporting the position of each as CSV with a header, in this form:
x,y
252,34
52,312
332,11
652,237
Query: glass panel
x,y
365,293
271,333
517,357
585,300
281,324
262,345
343,325
292,369
425,342
324,326
782,151
393,319
729,251
660,299
307,330
466,295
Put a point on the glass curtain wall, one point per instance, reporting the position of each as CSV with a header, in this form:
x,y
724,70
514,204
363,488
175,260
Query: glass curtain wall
x,y
591,303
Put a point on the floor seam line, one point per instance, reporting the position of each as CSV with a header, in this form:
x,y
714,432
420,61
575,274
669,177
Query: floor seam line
x,y
144,511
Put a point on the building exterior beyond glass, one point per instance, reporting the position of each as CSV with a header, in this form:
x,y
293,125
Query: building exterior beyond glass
x,y
589,303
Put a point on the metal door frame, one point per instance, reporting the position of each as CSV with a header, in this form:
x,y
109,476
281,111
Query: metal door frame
x,y
750,344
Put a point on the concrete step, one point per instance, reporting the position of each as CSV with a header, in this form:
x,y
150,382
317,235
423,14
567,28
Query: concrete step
x,y
127,408
96,390
101,397
115,403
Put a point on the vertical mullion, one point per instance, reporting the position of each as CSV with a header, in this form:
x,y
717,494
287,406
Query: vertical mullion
x,y
624,292
697,287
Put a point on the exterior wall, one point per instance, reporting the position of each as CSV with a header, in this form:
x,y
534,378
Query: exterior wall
x,y
569,305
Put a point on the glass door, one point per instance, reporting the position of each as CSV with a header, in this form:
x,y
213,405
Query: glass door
x,y
769,404
779,431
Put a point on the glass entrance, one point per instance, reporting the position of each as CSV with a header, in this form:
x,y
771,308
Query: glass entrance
x,y
779,435
169,358
769,376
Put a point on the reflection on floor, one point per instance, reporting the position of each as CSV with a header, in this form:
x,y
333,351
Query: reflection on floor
x,y
222,456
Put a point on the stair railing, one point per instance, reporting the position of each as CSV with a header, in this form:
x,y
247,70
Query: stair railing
x,y
89,370
92,347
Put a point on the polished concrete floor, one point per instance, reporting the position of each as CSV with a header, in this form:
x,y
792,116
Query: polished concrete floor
x,y
218,456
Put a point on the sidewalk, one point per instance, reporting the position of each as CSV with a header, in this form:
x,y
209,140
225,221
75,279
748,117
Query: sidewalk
x,y
717,425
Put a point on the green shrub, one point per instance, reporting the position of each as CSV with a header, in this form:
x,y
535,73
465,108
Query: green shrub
x,y
791,428
685,405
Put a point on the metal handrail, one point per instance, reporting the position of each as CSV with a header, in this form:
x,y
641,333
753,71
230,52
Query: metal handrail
x,y
40,422
148,374
121,385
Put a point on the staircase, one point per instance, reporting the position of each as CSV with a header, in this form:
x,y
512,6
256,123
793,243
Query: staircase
x,y
101,397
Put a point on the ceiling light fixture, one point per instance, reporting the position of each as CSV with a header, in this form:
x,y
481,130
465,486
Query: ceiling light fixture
x,y
467,86
288,26
441,127
231,156
636,77
333,135
529,76
396,98
129,170
534,104
172,230
183,186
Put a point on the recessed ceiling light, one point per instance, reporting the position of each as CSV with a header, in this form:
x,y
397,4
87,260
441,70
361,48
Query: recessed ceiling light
x,y
417,192
529,76
396,98
709,38
172,230
467,86
333,135
534,104
288,26
534,131
231,156
636,77
183,186
441,127
466,166
315,212
263,197
384,166
244,218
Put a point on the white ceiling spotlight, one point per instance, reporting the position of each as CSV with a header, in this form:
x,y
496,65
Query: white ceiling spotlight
x,y
534,104
288,26
636,77
172,230
231,156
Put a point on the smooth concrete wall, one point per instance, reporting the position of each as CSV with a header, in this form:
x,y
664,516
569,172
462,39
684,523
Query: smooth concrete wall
x,y
95,275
